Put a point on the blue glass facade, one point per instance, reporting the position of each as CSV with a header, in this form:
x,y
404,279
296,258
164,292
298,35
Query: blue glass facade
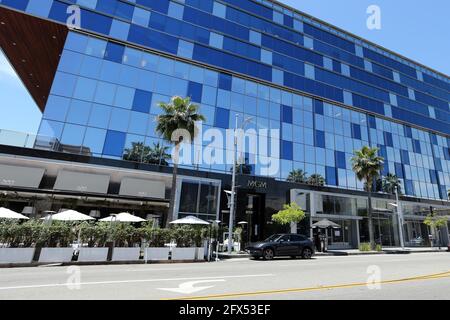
x,y
327,93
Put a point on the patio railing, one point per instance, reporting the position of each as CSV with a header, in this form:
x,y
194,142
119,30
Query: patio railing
x,y
28,140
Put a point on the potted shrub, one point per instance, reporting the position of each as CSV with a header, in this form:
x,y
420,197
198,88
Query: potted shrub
x,y
56,240
16,242
127,242
157,239
200,234
95,236
188,240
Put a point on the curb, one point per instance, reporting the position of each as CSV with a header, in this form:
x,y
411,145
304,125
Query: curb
x,y
341,253
221,257
108,263
321,254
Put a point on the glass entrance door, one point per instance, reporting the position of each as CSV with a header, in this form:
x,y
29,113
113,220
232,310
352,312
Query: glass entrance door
x,y
416,234
384,233
342,237
252,219
339,238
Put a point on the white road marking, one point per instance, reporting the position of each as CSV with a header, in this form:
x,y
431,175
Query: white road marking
x,y
188,287
134,281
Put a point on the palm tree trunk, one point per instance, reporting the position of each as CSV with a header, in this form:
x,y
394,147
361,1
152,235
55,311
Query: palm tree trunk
x,y
173,192
370,221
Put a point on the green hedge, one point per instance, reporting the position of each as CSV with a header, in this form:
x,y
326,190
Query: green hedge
x,y
32,232
96,234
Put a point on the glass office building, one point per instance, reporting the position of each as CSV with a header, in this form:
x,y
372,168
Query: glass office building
x,y
328,92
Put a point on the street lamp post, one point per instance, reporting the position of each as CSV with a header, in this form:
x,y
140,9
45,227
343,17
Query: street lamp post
x,y
233,189
399,218
216,237
233,183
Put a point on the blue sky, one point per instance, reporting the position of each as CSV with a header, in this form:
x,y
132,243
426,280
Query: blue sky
x,y
416,29
18,110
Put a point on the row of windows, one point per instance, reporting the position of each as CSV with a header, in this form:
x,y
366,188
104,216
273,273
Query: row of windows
x,y
92,66
260,24
352,59
444,83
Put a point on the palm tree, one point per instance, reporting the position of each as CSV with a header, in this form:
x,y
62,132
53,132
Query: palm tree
x,y
391,183
244,169
158,155
178,114
316,180
367,166
297,176
137,152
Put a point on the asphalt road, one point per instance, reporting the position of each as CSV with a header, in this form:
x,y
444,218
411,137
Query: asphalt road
x,y
413,276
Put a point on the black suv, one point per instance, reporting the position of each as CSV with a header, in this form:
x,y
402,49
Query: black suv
x,y
282,245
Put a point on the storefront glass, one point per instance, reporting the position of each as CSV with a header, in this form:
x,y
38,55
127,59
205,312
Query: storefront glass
x,y
199,198
416,233
332,205
337,209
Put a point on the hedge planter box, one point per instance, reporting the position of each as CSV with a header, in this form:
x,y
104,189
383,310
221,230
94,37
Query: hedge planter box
x,y
16,255
93,254
184,253
157,254
126,254
200,254
56,255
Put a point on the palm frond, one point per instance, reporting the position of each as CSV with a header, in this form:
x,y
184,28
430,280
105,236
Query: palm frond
x,y
179,113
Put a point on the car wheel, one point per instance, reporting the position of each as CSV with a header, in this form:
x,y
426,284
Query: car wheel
x,y
268,254
307,253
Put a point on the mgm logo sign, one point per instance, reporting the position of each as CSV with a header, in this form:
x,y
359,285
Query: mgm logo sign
x,y
255,184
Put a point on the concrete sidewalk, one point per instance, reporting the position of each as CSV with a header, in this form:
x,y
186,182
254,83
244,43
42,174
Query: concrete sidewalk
x,y
351,252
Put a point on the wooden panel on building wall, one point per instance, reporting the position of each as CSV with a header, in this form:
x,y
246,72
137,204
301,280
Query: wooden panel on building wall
x,y
33,46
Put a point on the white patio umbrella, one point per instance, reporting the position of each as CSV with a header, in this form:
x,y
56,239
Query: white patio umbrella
x,y
325,223
9,214
123,217
70,215
190,220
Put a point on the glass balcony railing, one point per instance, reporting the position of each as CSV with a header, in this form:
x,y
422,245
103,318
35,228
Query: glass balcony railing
x,y
28,140
17,139
156,155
